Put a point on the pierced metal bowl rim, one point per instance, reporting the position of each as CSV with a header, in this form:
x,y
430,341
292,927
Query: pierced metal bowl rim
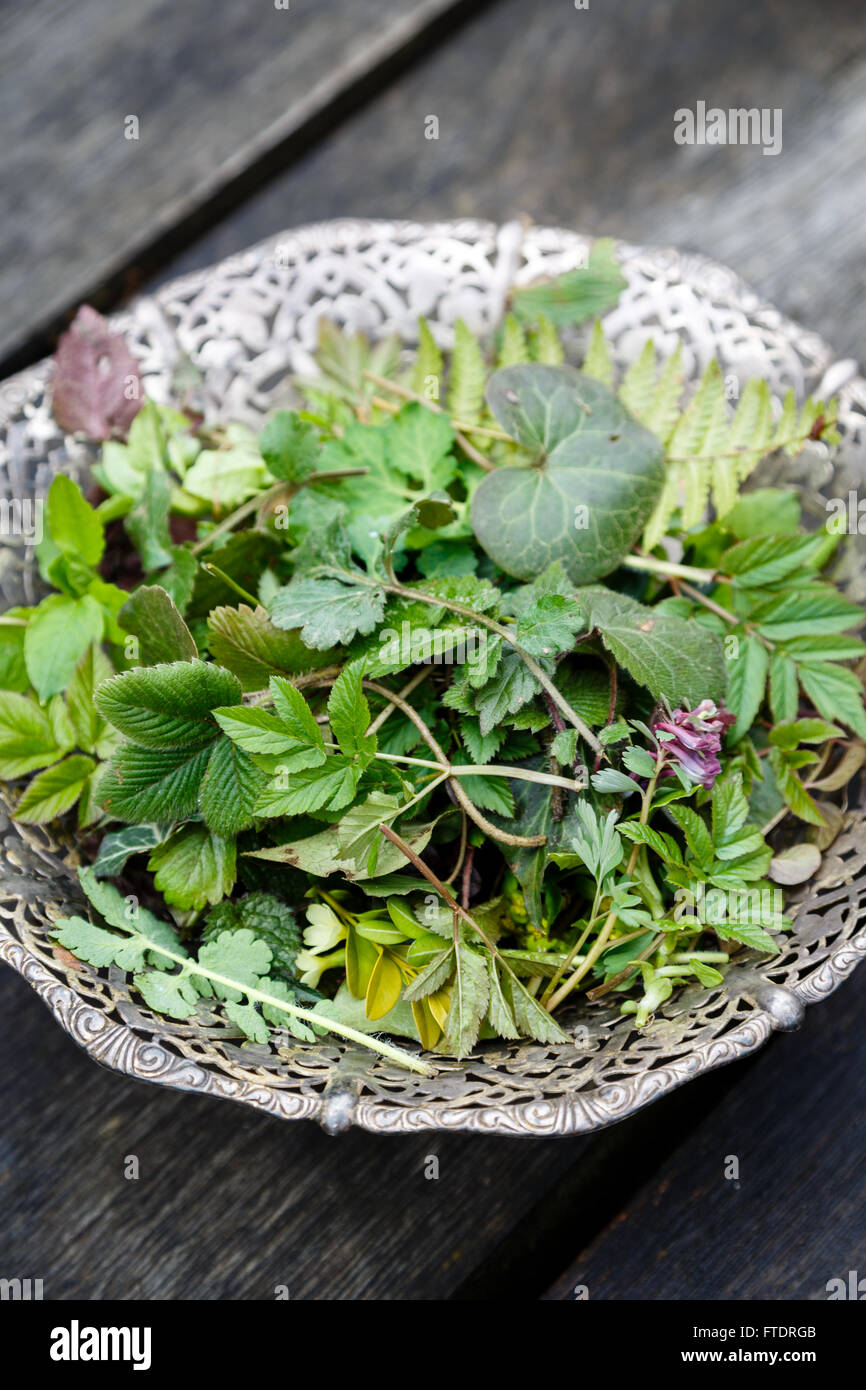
x,y
120,1048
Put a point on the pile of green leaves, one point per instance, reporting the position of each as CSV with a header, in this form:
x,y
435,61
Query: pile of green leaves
x,y
371,718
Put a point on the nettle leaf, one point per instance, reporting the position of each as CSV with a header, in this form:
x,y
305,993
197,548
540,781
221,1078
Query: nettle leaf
x,y
594,481
58,634
170,705
54,791
671,656
193,868
229,789
836,692
747,680
328,612
144,784
247,643
329,786
163,636
289,446
349,712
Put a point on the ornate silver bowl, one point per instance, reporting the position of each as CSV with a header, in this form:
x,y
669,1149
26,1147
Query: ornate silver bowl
x,y
248,324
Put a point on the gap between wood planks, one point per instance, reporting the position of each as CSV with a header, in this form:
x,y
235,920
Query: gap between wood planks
x,y
253,165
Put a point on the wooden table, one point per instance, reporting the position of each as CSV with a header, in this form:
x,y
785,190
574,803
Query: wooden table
x,y
254,118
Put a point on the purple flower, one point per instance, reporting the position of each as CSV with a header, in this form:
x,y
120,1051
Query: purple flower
x,y
695,740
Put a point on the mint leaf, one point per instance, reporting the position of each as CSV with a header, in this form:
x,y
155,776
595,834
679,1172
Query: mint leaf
x,y
671,656
597,476
193,868
151,615
54,791
170,705
144,784
58,634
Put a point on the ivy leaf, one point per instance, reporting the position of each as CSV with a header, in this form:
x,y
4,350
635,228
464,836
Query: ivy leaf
x,y
96,385
151,784
229,789
289,446
54,791
120,845
747,679
170,705
671,656
328,612
58,634
595,480
193,868
152,617
27,739
247,643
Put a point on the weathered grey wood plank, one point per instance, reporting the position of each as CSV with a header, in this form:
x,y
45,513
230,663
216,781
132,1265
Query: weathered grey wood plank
x,y
230,1204
217,90
568,115
796,1124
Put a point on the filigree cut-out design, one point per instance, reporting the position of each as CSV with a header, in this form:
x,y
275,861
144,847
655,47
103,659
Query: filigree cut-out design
x,y
248,324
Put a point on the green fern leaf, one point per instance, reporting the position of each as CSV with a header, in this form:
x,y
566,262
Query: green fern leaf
x,y
513,348
598,362
545,344
466,387
427,373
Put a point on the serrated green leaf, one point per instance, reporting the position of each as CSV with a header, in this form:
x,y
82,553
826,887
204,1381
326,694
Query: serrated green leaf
x,y
247,643
836,692
229,789
27,740
193,868
330,786
747,680
170,705
58,634
669,655
328,612
144,784
151,615
349,712
289,446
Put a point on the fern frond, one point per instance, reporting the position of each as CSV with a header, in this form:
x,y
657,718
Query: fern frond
x,y
428,364
466,386
598,362
513,347
544,343
639,383
750,437
663,412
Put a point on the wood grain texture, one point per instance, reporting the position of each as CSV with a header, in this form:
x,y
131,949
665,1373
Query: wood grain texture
x,y
218,89
795,1218
568,116
229,1204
